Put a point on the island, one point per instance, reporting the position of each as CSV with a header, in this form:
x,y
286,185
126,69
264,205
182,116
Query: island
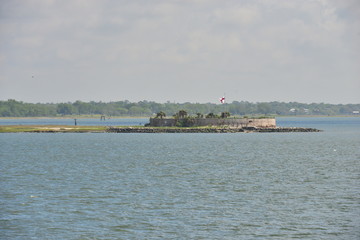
x,y
180,122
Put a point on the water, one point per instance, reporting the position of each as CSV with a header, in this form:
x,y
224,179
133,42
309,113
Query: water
x,y
183,186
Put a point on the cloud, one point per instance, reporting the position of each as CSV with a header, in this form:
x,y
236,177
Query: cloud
x,y
244,43
237,15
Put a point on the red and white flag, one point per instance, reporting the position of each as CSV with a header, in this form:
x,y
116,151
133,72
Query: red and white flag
x,y
222,100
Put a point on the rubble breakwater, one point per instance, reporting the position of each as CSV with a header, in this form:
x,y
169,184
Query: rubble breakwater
x,y
207,130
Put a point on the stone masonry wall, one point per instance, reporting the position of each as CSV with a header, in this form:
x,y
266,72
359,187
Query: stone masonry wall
x,y
231,122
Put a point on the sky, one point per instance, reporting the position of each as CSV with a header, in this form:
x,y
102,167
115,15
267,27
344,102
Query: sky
x,y
194,51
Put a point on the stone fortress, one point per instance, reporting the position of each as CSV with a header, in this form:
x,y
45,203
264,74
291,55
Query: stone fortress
x,y
182,123
216,122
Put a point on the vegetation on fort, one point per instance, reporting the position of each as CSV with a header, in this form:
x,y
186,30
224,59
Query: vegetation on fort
x,y
183,119
13,108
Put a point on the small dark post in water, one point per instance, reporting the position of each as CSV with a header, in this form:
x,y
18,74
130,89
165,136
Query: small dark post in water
x,y
102,118
75,122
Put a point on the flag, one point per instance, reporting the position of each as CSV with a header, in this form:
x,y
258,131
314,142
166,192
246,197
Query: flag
x,y
222,100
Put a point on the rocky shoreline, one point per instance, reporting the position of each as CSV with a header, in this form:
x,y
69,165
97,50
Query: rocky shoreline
x,y
136,129
208,130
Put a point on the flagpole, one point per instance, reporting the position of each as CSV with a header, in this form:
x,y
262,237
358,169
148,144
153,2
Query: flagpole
x,y
222,101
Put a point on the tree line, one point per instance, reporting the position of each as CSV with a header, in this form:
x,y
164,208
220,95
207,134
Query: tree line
x,y
13,108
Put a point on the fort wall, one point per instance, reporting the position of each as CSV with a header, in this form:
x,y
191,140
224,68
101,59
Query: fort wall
x,y
230,122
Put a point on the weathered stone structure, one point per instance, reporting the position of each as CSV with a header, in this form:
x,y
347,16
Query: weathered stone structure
x,y
217,122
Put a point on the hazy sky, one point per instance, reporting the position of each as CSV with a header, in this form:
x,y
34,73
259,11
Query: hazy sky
x,y
183,51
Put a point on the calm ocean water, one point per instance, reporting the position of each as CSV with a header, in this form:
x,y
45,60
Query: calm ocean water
x,y
183,186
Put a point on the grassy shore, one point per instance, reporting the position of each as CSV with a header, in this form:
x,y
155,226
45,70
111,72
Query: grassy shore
x,y
79,129
75,116
50,128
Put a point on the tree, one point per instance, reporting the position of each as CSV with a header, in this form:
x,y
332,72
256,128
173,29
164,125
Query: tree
x,y
225,114
211,115
264,108
160,115
13,108
82,107
199,115
185,122
65,108
182,114
137,111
